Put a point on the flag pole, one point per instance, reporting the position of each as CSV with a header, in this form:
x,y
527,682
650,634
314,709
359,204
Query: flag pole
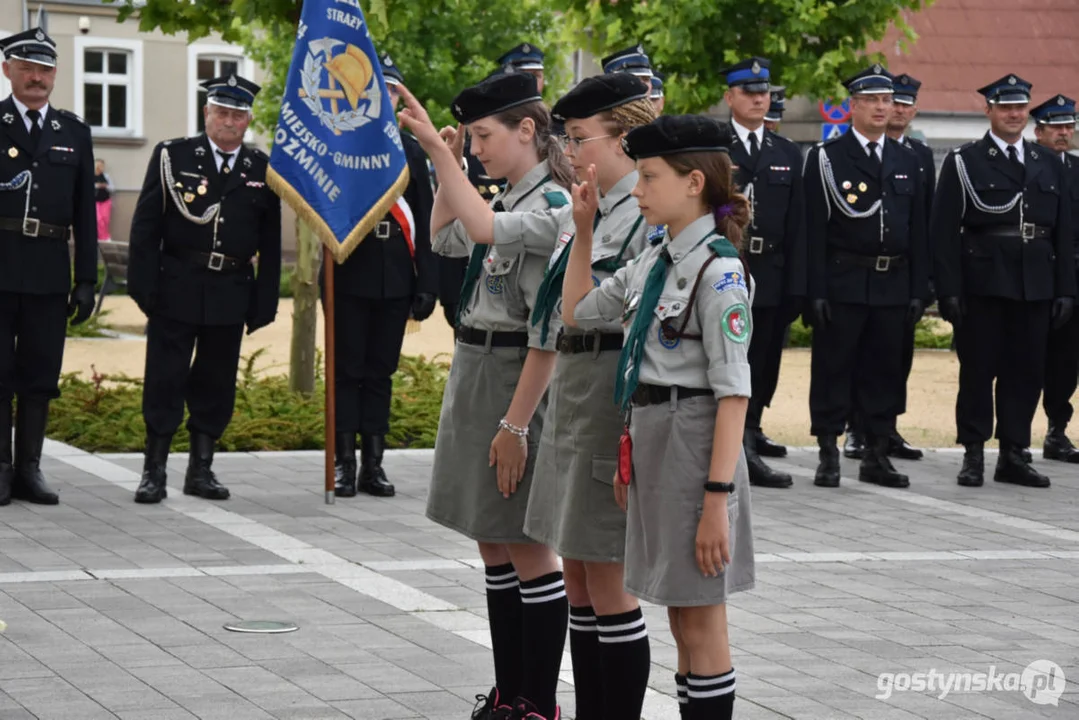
x,y
331,405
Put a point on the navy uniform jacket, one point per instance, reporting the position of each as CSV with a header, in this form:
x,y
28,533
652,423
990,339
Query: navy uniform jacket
x,y
929,170
830,233
248,225
777,257
969,262
383,266
60,182
1071,172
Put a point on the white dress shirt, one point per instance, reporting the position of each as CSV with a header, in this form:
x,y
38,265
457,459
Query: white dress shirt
x,y
1004,146
864,142
218,159
23,109
744,133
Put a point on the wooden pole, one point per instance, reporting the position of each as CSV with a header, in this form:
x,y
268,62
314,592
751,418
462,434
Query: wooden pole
x,y
331,407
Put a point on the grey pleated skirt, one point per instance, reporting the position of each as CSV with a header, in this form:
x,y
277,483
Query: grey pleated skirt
x,y
464,492
571,508
672,451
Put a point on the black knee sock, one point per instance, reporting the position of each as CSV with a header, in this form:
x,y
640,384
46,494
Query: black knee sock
x,y
711,697
626,661
504,616
584,648
544,613
683,697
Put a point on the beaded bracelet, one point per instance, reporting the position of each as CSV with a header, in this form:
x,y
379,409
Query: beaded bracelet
x,y
521,432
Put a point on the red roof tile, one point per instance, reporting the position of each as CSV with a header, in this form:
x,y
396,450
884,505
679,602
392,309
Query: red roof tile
x,y
965,44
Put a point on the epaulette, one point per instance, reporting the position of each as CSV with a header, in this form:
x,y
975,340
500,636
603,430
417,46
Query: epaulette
x,y
964,146
72,116
256,152
831,141
555,198
176,141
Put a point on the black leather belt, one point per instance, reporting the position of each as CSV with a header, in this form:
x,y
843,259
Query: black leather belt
x,y
880,263
758,246
491,338
211,261
32,227
386,230
573,344
646,394
1026,231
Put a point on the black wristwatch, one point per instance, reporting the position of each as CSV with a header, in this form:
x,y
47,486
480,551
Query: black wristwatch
x,y
719,487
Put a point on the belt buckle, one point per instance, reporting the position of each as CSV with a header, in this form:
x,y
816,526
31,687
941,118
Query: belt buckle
x,y
883,263
382,230
1027,230
756,245
217,262
31,227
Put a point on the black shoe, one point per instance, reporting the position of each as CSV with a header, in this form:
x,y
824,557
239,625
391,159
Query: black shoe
x,y
491,706
373,479
876,468
28,483
828,469
200,479
7,470
1011,468
972,474
766,447
901,449
152,488
1058,447
760,474
1026,455
344,467
524,710
854,444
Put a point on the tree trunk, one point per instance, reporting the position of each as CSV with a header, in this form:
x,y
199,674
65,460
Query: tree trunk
x,y
305,297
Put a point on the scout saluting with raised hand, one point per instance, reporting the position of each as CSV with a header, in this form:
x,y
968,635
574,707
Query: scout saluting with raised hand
x,y
685,305
571,507
500,372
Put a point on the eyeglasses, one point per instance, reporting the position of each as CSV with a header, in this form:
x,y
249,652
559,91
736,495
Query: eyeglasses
x,y
566,142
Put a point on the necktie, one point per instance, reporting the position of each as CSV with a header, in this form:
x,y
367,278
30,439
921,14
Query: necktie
x,y
35,129
472,273
872,148
225,157
753,146
629,362
1013,155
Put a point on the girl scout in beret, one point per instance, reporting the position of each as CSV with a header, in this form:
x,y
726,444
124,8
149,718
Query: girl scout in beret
x,y
684,376
572,508
492,410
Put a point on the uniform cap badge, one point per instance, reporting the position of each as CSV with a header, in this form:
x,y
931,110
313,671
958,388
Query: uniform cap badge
x,y
232,81
40,36
756,68
1060,100
527,48
877,68
1011,80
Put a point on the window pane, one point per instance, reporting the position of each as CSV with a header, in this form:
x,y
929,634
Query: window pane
x,y
200,103
229,67
118,63
206,68
117,106
93,61
92,95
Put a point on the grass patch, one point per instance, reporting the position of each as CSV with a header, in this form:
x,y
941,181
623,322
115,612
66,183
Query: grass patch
x,y
92,327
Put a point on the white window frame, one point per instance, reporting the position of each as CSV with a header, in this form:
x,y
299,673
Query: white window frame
x,y
134,99
245,64
5,86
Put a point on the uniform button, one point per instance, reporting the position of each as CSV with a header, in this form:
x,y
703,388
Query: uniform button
x,y
34,209
222,221
34,164
36,186
681,283
1025,205
677,256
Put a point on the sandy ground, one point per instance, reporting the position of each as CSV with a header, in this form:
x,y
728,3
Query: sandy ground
x,y
929,422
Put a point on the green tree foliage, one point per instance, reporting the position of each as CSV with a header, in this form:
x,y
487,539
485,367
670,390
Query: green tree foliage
x,y
811,43
441,46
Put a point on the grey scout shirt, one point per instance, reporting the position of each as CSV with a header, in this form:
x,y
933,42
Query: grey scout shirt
x,y
524,237
619,216
720,315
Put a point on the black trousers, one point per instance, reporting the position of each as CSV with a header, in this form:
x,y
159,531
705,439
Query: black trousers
x,y
857,362
1002,340
1061,372
765,354
368,335
207,385
32,333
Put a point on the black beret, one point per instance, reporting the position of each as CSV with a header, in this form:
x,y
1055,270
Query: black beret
x,y
596,94
495,94
671,134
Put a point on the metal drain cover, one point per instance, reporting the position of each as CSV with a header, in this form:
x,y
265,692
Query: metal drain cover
x,y
262,626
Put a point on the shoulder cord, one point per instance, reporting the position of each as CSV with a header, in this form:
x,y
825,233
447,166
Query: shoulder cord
x,y
168,181
23,179
828,181
967,189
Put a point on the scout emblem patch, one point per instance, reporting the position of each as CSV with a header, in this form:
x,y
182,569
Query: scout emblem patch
x,y
730,281
656,233
496,284
736,323
667,342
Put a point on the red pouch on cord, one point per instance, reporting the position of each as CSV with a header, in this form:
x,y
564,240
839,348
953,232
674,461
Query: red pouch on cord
x,y
625,458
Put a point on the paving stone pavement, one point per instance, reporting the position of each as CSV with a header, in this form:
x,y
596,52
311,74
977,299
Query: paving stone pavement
x,y
117,611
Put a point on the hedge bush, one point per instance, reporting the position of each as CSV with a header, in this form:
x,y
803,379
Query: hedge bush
x,y
104,413
930,333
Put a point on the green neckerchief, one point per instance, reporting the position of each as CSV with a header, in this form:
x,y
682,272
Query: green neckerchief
x,y
550,291
629,362
479,252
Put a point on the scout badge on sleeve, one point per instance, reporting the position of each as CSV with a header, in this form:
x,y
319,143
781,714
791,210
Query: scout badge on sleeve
x,y
625,457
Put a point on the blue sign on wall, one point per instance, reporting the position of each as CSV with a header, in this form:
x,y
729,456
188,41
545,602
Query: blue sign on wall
x,y
830,130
